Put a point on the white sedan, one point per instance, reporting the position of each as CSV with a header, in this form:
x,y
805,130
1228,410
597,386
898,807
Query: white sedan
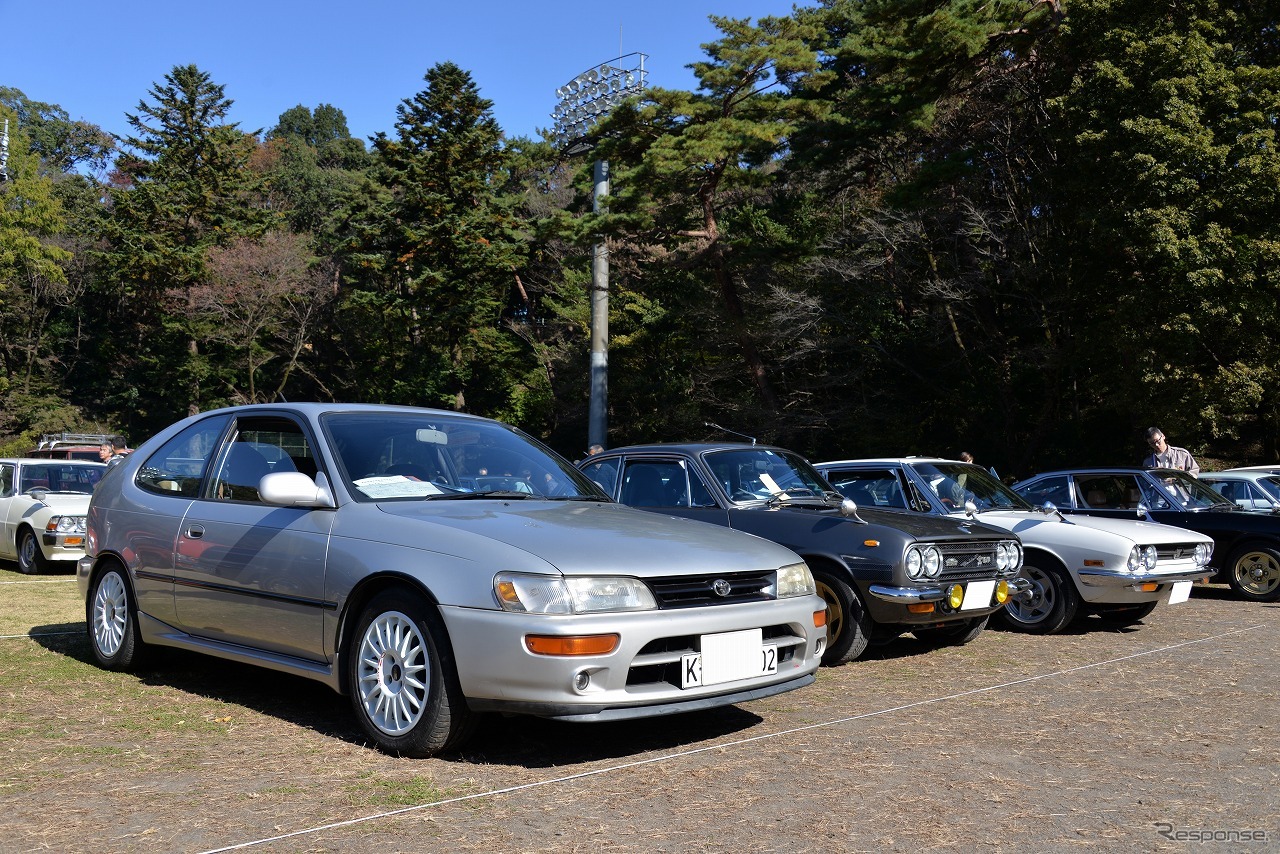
x,y
1119,569
42,511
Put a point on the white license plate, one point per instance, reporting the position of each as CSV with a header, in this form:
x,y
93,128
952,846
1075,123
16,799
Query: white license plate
x,y
1180,592
977,595
728,657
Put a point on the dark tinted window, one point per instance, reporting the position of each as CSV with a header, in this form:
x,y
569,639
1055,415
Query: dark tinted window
x,y
1055,490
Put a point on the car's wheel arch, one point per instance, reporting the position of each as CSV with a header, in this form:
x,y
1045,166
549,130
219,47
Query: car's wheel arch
x,y
1047,560
354,606
830,565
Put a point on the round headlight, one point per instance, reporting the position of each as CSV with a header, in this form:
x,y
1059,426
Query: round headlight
x,y
1002,556
1203,552
1135,559
1016,549
915,563
932,562
1149,558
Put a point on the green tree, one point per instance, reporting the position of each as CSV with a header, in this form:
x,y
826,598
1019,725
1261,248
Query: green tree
x,y
436,255
183,186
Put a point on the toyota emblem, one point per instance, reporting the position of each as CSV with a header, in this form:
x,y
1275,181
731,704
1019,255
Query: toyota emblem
x,y
721,587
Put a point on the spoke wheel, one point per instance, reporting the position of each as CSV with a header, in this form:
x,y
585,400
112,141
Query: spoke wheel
x,y
404,687
848,626
1255,573
31,560
1051,604
113,622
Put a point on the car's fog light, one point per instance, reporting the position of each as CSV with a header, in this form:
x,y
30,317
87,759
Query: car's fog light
x,y
955,596
819,618
920,607
1002,592
820,647
582,681
571,645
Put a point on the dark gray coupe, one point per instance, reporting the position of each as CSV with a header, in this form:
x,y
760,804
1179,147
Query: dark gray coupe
x,y
880,573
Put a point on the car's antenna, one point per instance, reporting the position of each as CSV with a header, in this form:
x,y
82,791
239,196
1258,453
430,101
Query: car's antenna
x,y
727,430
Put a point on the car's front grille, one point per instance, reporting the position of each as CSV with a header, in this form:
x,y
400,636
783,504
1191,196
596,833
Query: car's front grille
x,y
968,560
1177,551
697,591
659,662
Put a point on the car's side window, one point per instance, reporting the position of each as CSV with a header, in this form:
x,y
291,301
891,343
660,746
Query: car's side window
x,y
1110,492
604,473
869,488
1152,498
179,465
1055,490
6,480
261,446
655,483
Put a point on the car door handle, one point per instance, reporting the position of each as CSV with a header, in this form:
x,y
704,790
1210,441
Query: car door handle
x,y
195,532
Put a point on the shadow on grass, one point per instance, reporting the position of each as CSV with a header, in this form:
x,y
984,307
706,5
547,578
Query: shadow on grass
x,y
498,740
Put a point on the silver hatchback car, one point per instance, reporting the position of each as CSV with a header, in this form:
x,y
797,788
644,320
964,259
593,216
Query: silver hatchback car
x,y
432,565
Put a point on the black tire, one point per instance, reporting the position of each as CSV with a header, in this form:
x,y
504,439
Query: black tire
x,y
958,633
112,619
848,625
1254,573
31,560
1121,616
402,679
1053,605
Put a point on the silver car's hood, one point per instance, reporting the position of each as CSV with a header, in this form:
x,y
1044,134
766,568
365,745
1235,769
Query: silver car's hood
x,y
1032,524
597,538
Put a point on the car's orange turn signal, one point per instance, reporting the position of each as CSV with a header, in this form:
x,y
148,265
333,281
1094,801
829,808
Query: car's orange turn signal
x,y
571,644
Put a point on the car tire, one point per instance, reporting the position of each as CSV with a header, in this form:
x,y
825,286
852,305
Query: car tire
x,y
1121,616
956,634
31,560
402,679
1254,573
1054,602
848,624
112,619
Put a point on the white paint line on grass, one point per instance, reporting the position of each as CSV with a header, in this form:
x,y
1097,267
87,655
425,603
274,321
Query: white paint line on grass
x,y
41,581
721,746
39,635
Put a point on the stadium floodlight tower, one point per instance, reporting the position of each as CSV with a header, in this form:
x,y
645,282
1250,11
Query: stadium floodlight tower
x,y
585,100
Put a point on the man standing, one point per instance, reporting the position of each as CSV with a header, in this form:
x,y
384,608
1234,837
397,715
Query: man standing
x,y
114,451
1165,456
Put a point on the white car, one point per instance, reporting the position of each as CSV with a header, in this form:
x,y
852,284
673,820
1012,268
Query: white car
x,y
1254,489
1119,569
42,511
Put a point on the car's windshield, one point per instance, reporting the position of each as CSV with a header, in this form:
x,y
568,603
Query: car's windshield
x,y
756,474
956,483
392,455
1270,485
1186,491
60,477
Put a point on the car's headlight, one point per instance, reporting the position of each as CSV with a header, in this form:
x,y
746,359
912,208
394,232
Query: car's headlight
x,y
1204,551
923,562
1134,563
1149,558
795,580
542,594
1008,557
65,524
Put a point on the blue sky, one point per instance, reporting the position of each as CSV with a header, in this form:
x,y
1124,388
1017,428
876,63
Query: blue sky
x,y
97,60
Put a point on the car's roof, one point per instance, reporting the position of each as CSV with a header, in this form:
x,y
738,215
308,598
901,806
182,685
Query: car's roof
x,y
313,408
1234,474
1105,470
1250,469
687,448
882,461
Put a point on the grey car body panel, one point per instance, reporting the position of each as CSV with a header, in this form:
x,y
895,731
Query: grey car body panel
x,y
274,586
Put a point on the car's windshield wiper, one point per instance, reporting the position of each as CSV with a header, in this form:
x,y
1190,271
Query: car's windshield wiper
x,y
493,493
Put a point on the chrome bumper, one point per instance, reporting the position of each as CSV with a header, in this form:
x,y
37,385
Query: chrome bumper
x,y
1134,580
911,595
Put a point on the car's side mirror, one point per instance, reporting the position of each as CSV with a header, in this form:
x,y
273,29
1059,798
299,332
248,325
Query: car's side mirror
x,y
849,509
1051,509
295,489
39,493
1142,510
970,508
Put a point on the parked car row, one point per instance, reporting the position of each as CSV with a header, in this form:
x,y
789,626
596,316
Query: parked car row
x,y
434,566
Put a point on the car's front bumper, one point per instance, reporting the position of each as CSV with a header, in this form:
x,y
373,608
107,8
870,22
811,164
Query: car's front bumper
x,y
642,676
1124,580
891,604
58,546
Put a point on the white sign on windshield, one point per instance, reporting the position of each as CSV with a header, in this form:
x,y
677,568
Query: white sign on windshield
x,y
396,486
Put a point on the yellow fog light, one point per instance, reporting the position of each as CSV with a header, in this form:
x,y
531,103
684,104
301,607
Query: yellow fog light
x,y
1002,592
920,607
955,596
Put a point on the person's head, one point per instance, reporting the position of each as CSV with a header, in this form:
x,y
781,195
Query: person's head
x,y
118,444
595,449
104,451
966,457
1155,438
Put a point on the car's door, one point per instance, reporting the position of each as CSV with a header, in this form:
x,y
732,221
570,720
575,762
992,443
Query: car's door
x,y
247,572
8,510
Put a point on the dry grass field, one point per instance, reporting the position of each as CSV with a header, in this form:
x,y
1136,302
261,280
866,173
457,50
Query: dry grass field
x,y
1157,738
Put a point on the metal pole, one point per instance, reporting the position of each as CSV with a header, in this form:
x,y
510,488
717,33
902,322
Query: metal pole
x,y
598,414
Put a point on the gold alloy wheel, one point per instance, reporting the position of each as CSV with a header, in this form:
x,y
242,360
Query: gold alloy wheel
x,y
1257,573
835,612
